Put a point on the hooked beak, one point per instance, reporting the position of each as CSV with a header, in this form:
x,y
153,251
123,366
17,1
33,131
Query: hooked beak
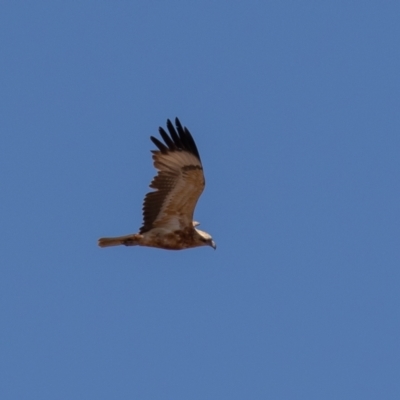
x,y
213,245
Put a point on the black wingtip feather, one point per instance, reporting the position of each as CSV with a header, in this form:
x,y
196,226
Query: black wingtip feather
x,y
174,135
160,145
171,145
178,139
192,143
181,134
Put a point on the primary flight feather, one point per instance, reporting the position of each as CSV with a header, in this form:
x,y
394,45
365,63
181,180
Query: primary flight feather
x,y
168,210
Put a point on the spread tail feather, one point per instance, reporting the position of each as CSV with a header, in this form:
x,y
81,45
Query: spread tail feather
x,y
128,240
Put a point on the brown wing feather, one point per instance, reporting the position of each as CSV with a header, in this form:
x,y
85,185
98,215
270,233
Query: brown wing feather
x,y
178,184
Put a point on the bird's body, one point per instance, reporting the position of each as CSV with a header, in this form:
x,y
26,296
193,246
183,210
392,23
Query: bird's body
x,y
160,238
168,211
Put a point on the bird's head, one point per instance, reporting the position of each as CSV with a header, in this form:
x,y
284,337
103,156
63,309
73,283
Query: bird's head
x,y
206,239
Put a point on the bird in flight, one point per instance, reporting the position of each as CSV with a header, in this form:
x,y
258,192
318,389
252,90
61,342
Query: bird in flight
x,y
168,210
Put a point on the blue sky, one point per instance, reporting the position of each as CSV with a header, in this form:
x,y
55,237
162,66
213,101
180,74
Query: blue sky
x,y
295,110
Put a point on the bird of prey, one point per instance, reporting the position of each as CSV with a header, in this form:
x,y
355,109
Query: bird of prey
x,y
168,210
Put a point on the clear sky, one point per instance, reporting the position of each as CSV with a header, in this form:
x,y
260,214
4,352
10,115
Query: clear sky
x,y
295,108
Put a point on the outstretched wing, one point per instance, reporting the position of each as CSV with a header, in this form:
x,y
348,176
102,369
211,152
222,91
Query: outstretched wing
x,y
178,184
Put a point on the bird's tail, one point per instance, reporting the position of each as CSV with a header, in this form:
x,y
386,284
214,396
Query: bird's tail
x,y
128,240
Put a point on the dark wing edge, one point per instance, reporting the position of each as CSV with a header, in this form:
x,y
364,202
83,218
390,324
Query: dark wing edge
x,y
153,202
178,139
